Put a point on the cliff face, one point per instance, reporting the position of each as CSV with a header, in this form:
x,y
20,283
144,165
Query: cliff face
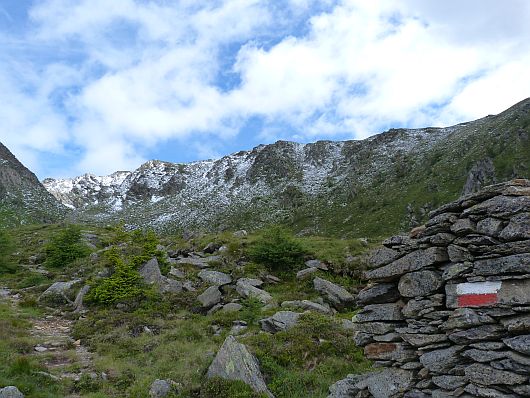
x,y
446,309
370,187
23,198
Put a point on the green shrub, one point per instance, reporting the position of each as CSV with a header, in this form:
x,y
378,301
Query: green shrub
x,y
124,284
221,388
65,247
277,249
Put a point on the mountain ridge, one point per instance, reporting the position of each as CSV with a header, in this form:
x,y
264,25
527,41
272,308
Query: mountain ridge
x,y
315,185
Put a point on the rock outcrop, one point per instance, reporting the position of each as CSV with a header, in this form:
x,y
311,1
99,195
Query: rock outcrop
x,y
234,362
448,307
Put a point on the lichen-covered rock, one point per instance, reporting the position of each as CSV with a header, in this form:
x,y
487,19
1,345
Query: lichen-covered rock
x,y
210,297
215,277
387,383
282,320
335,294
60,293
519,343
150,272
345,388
411,262
440,361
10,392
380,312
160,388
307,305
487,376
420,283
234,362
247,291
518,228
302,274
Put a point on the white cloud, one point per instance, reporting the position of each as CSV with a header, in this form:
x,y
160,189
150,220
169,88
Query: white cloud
x,y
129,74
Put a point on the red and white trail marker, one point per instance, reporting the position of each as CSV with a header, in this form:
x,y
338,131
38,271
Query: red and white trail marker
x,y
478,294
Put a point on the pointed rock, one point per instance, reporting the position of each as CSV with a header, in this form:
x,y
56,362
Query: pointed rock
x,y
234,362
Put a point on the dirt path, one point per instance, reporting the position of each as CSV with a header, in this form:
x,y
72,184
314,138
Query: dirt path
x,y
63,357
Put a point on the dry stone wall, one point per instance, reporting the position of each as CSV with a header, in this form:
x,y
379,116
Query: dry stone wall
x,y
447,309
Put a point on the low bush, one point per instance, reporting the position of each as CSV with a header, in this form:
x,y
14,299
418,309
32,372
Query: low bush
x,y
277,249
125,283
65,247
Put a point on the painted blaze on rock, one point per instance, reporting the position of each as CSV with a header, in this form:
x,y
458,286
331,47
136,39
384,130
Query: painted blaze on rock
x,y
491,293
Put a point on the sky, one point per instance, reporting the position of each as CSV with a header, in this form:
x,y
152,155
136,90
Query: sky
x,y
104,85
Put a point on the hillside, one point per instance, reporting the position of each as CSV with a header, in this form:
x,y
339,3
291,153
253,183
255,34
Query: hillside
x,y
372,187
23,199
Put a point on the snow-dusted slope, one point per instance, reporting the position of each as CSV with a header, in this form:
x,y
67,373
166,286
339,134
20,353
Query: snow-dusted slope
x,y
379,182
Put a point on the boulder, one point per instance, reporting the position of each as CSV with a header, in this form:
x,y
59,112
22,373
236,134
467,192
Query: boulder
x,y
247,291
378,294
211,248
490,227
215,277
420,283
160,388
234,362
282,320
150,272
308,306
210,297
335,294
250,281
345,388
60,293
302,274
177,273
316,264
10,392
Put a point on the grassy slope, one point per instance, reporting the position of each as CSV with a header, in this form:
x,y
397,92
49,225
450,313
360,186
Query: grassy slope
x,y
181,343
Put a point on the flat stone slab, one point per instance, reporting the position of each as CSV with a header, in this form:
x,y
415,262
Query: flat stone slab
x,y
282,320
411,262
215,277
335,294
379,312
487,376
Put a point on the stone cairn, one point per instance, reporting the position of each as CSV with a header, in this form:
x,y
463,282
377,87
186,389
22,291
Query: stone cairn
x,y
446,312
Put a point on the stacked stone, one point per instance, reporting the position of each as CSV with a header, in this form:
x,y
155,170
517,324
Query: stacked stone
x,y
447,308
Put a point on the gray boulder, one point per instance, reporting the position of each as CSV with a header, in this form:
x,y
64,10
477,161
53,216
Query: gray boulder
x,y
316,264
247,291
335,294
250,281
210,297
150,272
160,388
215,277
282,320
10,392
60,293
440,361
234,362
306,273
307,306
345,388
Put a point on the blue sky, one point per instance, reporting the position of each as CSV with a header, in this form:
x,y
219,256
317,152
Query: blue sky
x,y
98,85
